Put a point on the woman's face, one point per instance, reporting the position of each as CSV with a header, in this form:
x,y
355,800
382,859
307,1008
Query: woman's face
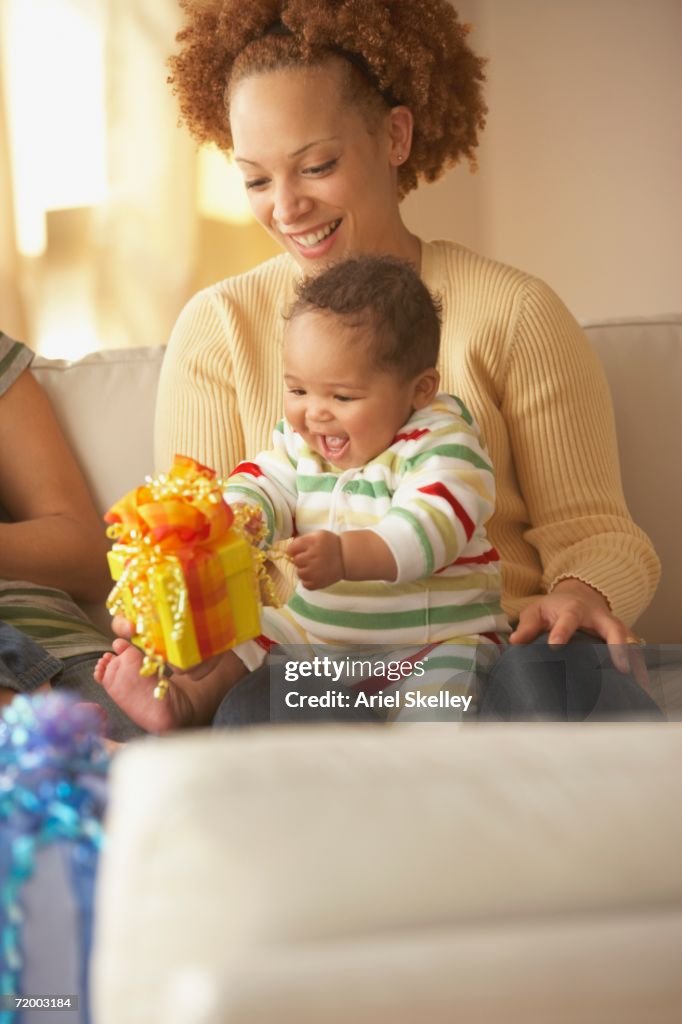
x,y
318,180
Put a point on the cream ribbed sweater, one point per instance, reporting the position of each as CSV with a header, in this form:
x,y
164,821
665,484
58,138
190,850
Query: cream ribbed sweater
x,y
514,354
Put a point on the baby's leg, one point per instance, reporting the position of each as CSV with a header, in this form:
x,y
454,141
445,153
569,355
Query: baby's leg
x,y
193,695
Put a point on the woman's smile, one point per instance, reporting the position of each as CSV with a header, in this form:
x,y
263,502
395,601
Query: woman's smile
x,y
311,243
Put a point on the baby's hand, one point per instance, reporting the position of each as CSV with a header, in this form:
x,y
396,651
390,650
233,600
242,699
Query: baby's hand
x,y
318,558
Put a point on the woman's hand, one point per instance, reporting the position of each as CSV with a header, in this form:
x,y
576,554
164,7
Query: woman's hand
x,y
574,605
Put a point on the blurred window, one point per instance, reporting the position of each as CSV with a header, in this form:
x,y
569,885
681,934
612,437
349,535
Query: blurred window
x,y
54,80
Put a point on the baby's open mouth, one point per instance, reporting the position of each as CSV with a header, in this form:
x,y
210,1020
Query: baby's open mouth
x,y
333,447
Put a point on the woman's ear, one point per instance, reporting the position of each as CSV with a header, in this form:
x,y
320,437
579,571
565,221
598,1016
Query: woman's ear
x,y
425,388
400,123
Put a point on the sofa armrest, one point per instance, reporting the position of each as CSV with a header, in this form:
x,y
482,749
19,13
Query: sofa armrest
x,y
274,847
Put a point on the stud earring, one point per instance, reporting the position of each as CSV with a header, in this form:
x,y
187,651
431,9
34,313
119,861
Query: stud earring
x,y
400,157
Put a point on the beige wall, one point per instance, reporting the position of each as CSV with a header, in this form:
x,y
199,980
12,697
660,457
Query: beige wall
x,y
580,176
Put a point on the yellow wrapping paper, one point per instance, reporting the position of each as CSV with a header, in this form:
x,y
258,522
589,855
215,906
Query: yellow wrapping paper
x,y
186,568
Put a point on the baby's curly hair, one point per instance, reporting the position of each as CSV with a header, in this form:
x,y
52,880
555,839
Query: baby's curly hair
x,y
411,52
386,294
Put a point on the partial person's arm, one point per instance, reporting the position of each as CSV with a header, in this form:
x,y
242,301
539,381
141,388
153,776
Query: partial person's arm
x,y
56,537
599,569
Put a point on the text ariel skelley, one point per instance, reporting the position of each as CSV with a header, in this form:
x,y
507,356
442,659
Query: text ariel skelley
x,y
397,699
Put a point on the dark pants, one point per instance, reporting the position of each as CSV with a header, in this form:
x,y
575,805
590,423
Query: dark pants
x,y
534,682
25,666
575,682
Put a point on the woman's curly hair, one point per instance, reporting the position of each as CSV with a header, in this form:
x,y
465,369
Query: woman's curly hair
x,y
413,52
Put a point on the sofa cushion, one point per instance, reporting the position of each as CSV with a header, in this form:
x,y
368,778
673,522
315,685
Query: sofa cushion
x,y
105,403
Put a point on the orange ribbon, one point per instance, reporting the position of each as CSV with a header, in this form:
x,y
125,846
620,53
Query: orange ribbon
x,y
175,521
177,510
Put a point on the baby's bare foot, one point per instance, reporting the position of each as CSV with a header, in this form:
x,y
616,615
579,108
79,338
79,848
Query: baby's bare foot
x,y
119,674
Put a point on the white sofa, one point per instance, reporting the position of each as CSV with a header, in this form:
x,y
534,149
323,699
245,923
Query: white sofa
x,y
410,875
418,874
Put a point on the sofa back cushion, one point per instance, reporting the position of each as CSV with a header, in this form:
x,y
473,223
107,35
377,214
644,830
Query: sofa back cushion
x,y
105,403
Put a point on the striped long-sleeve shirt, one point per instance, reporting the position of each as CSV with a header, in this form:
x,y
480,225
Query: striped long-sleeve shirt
x,y
428,496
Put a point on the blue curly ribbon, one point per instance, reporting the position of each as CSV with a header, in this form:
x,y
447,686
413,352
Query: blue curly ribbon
x,y
52,758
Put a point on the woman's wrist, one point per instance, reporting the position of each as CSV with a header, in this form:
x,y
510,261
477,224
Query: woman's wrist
x,y
578,588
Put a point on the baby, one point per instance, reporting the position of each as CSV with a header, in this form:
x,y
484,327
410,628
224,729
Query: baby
x,y
382,483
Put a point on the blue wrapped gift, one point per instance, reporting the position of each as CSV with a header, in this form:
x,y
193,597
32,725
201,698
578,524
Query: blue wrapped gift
x,y
53,767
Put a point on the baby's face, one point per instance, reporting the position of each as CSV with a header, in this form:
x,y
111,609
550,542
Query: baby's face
x,y
342,405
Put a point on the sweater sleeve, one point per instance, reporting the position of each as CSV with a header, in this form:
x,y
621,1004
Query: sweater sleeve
x,y
558,412
269,481
196,410
440,506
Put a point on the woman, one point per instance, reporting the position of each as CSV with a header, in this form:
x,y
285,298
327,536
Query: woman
x,y
53,542
334,111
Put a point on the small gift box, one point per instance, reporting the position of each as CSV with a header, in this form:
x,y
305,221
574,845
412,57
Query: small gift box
x,y
187,576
